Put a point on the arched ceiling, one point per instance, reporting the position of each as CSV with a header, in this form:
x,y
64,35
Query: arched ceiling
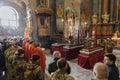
x,y
19,6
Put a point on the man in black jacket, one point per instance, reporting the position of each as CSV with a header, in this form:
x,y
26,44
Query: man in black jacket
x,y
2,61
5,45
52,67
110,59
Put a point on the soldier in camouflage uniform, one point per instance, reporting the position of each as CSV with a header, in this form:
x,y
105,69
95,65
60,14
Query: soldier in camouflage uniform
x,y
110,45
102,43
9,55
8,51
33,66
19,65
61,73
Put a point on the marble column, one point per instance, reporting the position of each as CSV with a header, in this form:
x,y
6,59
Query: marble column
x,y
48,3
37,3
118,10
94,6
105,14
53,18
115,10
95,11
99,11
105,7
111,10
34,26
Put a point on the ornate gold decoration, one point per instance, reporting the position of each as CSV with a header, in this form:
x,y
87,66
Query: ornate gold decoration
x,y
94,19
59,11
44,11
116,34
105,18
42,3
83,17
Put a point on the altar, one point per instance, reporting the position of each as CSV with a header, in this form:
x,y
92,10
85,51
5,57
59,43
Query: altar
x,y
88,57
67,51
56,47
71,52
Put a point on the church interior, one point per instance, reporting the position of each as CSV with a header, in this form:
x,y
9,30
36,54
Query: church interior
x,y
83,31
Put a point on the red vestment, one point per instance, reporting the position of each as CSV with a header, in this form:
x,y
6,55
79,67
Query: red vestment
x,y
26,51
39,51
23,44
31,51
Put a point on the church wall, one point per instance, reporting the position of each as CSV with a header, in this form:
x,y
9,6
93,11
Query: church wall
x,y
64,5
20,7
59,16
84,11
53,17
32,4
76,5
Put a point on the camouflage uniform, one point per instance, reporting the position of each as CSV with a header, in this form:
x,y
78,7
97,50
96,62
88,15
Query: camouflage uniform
x,y
19,68
37,72
110,45
60,75
103,43
9,54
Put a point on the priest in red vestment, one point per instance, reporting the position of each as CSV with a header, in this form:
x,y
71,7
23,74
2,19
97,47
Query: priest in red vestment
x,y
31,50
26,50
23,44
40,52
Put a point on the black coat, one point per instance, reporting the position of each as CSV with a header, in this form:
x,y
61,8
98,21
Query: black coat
x,y
52,67
2,63
113,72
4,46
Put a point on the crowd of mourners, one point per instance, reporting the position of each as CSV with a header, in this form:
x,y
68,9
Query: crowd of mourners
x,y
22,59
